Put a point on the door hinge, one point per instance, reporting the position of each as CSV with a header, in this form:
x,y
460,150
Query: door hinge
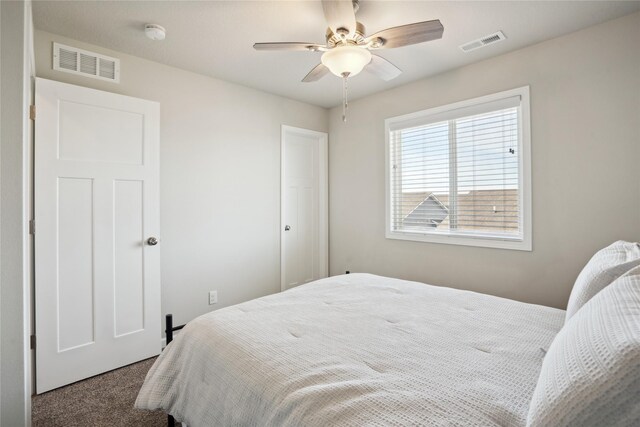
x,y
32,112
32,226
32,342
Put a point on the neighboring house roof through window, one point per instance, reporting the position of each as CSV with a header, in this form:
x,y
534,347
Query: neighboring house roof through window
x,y
429,213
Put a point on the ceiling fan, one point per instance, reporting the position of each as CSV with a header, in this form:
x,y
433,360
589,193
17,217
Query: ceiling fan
x,y
348,50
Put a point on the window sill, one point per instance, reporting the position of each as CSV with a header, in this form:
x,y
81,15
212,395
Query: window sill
x,y
512,243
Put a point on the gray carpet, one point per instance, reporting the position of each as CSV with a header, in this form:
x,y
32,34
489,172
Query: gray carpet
x,y
103,400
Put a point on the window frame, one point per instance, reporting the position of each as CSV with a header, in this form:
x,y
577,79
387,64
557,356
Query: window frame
x,y
524,175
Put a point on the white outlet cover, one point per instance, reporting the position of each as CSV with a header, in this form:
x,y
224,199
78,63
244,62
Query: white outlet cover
x,y
213,297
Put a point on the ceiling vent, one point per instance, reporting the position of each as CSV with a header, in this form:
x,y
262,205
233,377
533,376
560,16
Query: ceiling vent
x,y
89,64
483,41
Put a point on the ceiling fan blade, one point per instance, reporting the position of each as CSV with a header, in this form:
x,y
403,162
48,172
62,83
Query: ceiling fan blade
x,y
288,46
339,14
383,68
318,72
405,35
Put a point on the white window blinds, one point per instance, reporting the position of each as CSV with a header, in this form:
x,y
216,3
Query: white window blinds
x,y
457,172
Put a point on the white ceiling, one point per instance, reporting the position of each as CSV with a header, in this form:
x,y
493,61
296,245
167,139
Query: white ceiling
x,y
215,38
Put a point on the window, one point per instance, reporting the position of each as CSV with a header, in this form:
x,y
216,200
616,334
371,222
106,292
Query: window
x,y
460,174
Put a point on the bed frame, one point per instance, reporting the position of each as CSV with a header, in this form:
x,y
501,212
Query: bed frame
x,y
170,329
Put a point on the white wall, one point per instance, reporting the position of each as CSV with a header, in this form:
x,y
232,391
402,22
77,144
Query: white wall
x,y
585,114
15,96
220,177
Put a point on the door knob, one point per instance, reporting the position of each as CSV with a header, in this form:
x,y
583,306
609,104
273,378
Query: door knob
x,y
152,241
287,228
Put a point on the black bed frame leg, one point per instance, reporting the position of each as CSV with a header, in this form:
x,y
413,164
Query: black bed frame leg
x,y
169,334
169,330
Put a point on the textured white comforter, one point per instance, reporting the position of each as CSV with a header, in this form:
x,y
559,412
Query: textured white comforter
x,y
356,350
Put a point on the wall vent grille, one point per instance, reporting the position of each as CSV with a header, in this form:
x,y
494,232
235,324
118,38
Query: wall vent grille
x,y
483,41
90,64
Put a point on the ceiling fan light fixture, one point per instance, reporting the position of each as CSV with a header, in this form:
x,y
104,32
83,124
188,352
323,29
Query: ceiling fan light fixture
x,y
346,60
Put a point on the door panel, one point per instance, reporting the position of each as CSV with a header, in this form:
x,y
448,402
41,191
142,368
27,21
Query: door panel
x,y
129,258
308,229
75,264
304,206
96,202
99,134
291,264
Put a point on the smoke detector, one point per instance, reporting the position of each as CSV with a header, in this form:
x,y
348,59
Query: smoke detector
x,y
155,31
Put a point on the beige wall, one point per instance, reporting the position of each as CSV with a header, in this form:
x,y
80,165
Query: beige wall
x,y
15,136
585,114
220,177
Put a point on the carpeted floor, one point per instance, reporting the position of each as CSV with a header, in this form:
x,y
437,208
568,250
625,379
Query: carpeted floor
x,y
103,400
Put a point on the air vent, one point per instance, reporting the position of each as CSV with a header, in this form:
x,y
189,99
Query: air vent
x,y
85,63
483,41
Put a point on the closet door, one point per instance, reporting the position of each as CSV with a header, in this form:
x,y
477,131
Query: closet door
x,y
97,223
304,238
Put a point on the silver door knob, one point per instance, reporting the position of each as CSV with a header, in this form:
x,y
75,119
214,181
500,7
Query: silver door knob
x,y
287,228
152,241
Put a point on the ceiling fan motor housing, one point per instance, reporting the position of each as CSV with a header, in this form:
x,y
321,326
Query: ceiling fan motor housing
x,y
357,38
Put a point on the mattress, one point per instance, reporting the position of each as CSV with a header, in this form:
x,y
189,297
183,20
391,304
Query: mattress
x,y
356,350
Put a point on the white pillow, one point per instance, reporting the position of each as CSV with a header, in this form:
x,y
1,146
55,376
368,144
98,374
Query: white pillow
x,y
591,373
602,269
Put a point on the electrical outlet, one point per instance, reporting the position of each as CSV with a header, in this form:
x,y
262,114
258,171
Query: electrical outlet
x,y
213,297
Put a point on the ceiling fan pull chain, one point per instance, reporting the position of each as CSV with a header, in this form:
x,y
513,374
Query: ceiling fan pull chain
x,y
344,97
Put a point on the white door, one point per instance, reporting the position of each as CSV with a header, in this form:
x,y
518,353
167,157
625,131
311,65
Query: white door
x,y
304,238
96,205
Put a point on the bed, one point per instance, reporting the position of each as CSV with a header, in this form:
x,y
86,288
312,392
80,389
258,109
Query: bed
x,y
356,350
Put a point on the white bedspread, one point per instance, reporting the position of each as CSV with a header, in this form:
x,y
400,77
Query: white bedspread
x,y
356,350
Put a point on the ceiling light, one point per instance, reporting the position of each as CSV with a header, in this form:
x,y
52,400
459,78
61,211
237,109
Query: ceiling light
x,y
347,60
155,31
